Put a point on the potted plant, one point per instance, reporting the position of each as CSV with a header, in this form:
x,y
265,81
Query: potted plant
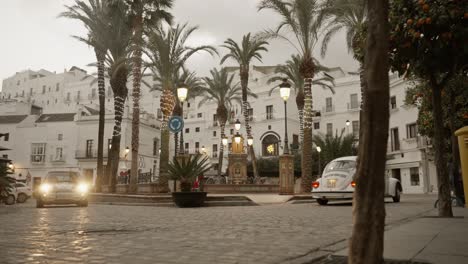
x,y
186,169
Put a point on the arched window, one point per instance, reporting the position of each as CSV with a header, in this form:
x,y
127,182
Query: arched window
x,y
270,146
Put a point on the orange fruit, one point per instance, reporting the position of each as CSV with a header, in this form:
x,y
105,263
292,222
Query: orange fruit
x,y
425,7
428,20
409,22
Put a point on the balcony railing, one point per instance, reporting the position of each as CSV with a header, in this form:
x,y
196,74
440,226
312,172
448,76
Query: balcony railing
x,y
328,109
89,154
354,107
54,158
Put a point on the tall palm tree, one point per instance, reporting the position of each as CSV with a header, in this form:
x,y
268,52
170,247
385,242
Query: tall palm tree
x,y
168,53
93,15
143,13
291,70
349,15
335,146
250,49
302,18
118,40
221,89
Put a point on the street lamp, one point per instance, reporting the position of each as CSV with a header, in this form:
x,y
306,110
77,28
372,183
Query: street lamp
x,y
319,165
347,126
127,150
11,166
225,141
237,138
285,90
237,125
203,150
182,93
250,141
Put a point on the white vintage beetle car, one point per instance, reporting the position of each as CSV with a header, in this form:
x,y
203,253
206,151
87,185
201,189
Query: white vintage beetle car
x,y
337,182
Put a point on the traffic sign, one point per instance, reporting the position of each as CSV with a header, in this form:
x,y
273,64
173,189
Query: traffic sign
x,y
175,124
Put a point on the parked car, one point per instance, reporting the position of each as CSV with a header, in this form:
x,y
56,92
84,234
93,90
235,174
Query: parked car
x,y
23,192
337,182
63,187
9,199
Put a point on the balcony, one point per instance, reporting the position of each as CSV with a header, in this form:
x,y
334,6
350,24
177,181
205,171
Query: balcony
x,y
57,159
92,96
354,107
38,159
424,142
91,154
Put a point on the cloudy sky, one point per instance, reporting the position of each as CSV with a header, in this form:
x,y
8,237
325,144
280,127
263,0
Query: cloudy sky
x,y
34,38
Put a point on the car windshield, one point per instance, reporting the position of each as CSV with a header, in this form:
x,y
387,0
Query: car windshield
x,y
341,165
62,177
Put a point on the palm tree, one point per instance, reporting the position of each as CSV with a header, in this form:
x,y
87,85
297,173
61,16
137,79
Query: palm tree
x,y
243,54
302,18
221,89
291,70
349,15
118,41
168,54
143,13
335,146
93,16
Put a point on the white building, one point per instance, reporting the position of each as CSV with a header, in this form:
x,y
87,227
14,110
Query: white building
x,y
69,91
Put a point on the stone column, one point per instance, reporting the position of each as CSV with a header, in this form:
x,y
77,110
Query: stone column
x,y
237,168
462,135
286,177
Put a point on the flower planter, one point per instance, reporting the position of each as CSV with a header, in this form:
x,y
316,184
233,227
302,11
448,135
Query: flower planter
x,y
189,199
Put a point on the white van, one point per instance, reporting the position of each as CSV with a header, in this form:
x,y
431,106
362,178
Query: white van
x,y
337,182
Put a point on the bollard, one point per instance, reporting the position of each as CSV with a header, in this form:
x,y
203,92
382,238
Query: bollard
x,y
462,135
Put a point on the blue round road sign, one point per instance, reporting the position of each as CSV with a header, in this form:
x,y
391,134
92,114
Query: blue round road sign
x,y
175,124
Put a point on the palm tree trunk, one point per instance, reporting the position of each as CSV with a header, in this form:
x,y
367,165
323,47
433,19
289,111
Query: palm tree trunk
x,y
445,207
301,125
164,157
176,143
368,205
138,42
221,148
244,76
114,153
102,115
307,143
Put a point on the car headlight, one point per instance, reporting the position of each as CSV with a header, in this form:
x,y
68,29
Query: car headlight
x,y
45,188
82,188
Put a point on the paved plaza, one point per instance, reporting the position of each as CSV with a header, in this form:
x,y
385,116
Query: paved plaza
x,y
280,233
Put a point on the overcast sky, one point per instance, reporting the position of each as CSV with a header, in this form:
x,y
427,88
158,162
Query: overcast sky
x,y
34,38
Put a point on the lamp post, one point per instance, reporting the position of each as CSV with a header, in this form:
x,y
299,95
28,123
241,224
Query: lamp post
x,y
285,90
237,125
250,141
182,95
347,126
319,165
127,150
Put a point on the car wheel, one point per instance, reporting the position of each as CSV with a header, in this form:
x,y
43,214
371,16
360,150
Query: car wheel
x,y
397,196
322,201
39,203
10,199
22,198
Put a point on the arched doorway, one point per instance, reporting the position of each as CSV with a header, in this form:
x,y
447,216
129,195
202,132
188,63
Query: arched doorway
x,y
270,146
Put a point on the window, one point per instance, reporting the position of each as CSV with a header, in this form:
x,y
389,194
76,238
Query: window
x,y
22,93
109,91
411,130
89,148
57,87
43,89
47,101
394,139
187,130
295,141
58,154
187,147
188,105
60,137
269,127
30,91
270,146
393,102
159,113
38,152
354,101
250,113
197,147
215,120
93,93
197,129
269,112
68,96
414,176
155,147
78,96
215,151
355,128
316,125
214,133
49,89
328,104
329,129
199,115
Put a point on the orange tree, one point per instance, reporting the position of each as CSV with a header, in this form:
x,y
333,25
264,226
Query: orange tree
x,y
428,40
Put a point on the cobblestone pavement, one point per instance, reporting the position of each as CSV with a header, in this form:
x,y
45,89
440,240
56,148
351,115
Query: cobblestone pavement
x,y
141,234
